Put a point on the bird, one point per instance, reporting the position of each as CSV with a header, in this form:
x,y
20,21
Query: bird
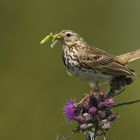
x,y
91,64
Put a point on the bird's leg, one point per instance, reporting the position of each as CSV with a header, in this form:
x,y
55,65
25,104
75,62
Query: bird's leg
x,y
93,92
95,87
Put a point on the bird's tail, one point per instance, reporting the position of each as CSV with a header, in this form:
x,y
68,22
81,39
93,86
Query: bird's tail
x,y
129,57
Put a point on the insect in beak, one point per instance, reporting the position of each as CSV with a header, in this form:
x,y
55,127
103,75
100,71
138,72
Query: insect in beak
x,y
51,37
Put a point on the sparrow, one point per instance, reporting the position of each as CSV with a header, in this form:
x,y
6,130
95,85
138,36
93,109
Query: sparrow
x,y
92,64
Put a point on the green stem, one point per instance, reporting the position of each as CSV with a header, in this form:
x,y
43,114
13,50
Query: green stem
x,y
126,103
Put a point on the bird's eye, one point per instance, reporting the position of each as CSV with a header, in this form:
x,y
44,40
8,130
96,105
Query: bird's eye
x,y
68,34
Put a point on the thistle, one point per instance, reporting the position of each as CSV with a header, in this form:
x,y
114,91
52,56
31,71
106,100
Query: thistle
x,y
94,114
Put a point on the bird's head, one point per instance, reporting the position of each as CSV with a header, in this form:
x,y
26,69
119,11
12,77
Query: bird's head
x,y
67,37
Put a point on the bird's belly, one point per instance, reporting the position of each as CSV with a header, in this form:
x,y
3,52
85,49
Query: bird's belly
x,y
85,74
90,75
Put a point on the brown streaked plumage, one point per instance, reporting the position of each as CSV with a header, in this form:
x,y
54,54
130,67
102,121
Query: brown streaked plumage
x,y
92,64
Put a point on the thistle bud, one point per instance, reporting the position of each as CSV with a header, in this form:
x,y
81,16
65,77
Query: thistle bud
x,y
102,105
106,125
90,125
87,116
110,102
102,114
80,119
101,96
84,126
92,110
112,117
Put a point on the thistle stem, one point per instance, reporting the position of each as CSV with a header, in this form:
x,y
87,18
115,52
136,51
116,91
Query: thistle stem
x,y
119,92
126,103
91,136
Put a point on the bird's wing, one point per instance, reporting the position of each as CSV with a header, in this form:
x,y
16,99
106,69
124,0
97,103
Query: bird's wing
x,y
97,59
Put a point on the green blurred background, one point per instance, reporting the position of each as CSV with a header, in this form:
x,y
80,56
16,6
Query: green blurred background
x,y
34,84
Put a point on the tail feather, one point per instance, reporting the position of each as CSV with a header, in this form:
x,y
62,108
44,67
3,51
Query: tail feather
x,y
128,57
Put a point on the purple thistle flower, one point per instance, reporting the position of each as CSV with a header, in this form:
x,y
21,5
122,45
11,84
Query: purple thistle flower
x,y
102,114
101,96
69,110
110,102
80,119
112,117
101,105
92,110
